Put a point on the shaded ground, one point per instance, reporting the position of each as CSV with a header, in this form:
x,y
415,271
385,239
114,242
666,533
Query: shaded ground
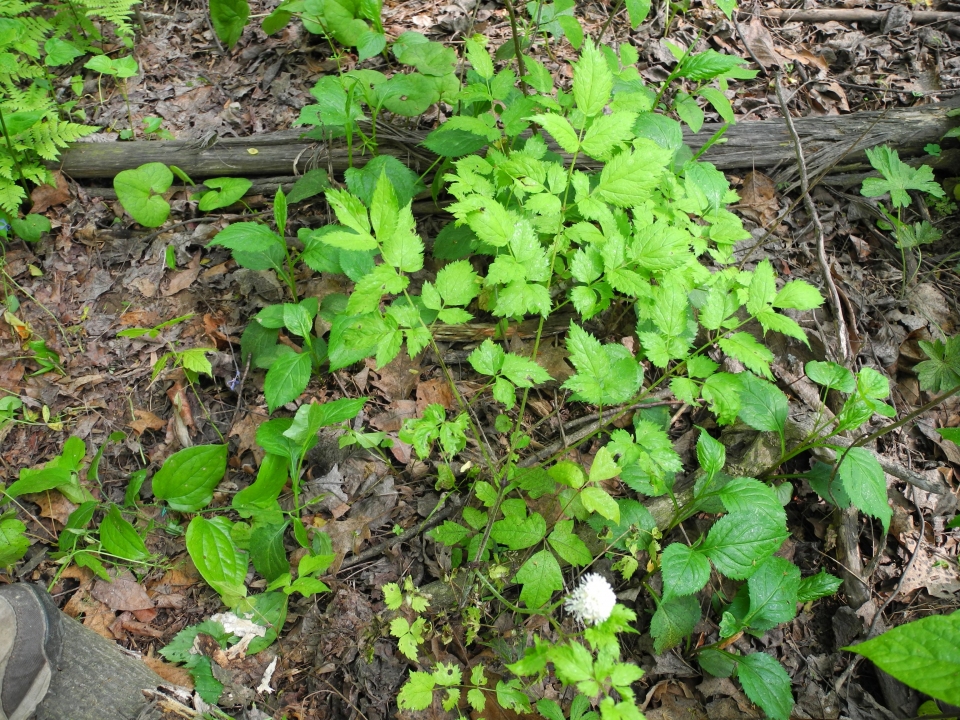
x,y
98,273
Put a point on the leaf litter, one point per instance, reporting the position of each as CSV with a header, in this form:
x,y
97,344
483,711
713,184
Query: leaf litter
x,y
124,282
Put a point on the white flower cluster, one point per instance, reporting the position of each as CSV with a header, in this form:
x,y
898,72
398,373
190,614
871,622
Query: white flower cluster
x,y
592,602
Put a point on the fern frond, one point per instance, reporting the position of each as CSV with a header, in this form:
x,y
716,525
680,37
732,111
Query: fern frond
x,y
46,137
11,196
117,12
12,8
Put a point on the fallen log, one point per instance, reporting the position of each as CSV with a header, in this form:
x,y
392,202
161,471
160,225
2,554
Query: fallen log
x,y
751,144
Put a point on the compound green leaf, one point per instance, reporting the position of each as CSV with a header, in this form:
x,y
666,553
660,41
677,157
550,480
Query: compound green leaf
x,y
626,181
745,348
518,534
762,404
561,130
188,477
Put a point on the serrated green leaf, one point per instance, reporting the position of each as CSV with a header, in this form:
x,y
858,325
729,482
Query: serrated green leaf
x,y
942,371
286,379
685,570
924,654
762,404
745,348
823,584
592,81
540,577
568,545
673,621
597,500
417,692
608,132
519,533
898,178
626,181
773,594
739,542
767,684
865,483
458,283
561,130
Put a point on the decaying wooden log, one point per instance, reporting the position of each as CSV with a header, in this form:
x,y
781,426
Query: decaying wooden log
x,y
749,144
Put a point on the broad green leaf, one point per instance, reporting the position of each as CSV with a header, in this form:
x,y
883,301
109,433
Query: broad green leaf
x,y
773,594
637,11
829,374
33,480
823,584
749,495
924,654
722,391
607,132
523,372
711,454
430,58
310,184
247,237
31,227
370,44
286,379
217,559
188,477
673,621
767,684
120,538
311,417
865,483
689,111
229,17
942,371
719,102
762,405
409,95
262,493
685,571
739,542
708,64
450,533
603,467
763,288
139,191
540,577
417,692
226,192
363,181
568,545
14,542
267,551
592,81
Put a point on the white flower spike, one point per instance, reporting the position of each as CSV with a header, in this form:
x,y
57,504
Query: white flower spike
x,y
592,602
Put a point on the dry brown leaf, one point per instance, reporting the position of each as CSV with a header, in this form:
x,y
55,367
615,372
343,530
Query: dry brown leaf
x,y
183,279
760,43
347,536
758,198
391,419
46,196
171,673
178,398
805,56
146,420
433,391
53,505
124,593
245,429
398,377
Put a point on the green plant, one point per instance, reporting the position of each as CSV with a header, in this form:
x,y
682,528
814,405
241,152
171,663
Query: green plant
x,y
897,179
38,38
922,654
141,191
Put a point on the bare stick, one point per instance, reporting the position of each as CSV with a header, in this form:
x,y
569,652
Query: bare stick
x,y
842,333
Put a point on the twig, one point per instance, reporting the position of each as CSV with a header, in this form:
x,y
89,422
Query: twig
x,y
442,514
842,332
906,570
746,46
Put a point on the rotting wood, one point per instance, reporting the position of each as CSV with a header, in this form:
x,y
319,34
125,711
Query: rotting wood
x,y
752,144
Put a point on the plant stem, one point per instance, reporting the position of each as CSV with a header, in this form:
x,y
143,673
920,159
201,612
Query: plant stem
x,y
516,46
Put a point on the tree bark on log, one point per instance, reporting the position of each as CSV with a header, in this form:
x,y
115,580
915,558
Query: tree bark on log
x,y
96,679
750,144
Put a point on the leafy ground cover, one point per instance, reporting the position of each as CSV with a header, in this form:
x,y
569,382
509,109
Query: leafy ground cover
x,y
424,520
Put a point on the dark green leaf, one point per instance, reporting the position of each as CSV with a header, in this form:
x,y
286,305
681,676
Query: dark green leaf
x,y
267,552
865,483
685,571
312,183
119,537
540,577
767,684
773,594
740,541
229,17
673,621
286,379
216,556
817,586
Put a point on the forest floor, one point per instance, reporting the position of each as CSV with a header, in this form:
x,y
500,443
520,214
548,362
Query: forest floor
x,y
98,273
